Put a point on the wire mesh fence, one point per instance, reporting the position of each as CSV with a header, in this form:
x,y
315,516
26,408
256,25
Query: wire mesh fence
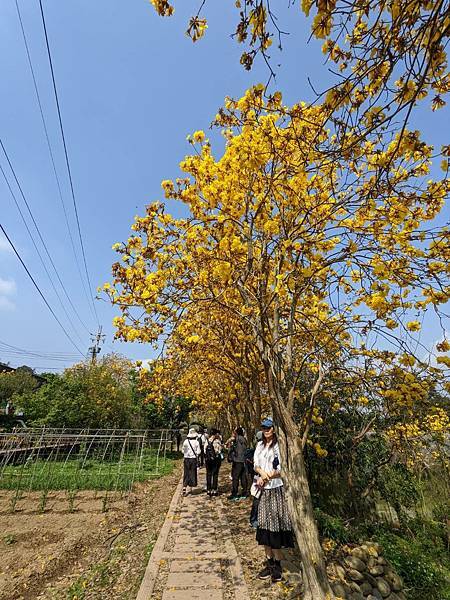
x,y
35,462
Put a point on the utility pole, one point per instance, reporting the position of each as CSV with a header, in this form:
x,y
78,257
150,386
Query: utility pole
x,y
96,348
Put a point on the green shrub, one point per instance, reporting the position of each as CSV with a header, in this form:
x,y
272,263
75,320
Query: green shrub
x,y
423,576
332,527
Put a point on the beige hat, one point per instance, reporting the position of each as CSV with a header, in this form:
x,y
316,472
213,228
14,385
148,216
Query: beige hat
x,y
192,432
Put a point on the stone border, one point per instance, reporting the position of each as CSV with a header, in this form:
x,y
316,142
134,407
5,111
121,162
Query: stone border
x,y
151,571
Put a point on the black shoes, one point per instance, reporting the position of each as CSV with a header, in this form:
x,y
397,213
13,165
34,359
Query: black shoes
x,y
266,573
277,572
272,570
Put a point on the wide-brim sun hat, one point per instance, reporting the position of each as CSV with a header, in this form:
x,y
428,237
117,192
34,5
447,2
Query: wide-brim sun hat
x,y
267,422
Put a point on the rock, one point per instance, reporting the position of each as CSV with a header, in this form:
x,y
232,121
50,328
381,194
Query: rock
x,y
376,570
381,560
372,561
371,579
356,596
393,596
354,586
402,596
355,575
355,563
366,588
339,590
374,545
360,553
394,580
376,594
340,572
383,587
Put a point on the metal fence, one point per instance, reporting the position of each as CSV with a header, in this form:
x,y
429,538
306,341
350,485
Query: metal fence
x,y
106,461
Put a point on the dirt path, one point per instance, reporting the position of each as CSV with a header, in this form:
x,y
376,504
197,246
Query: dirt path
x,y
194,556
82,555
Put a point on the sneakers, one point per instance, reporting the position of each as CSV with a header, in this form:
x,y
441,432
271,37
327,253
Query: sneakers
x,y
272,570
266,573
277,572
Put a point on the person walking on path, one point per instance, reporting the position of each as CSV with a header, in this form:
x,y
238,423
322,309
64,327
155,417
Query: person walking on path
x,y
274,530
203,439
213,460
236,455
191,452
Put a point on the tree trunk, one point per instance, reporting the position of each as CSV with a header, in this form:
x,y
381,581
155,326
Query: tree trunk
x,y
315,580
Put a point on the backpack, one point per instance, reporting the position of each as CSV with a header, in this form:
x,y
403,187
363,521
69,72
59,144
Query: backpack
x,y
210,453
248,457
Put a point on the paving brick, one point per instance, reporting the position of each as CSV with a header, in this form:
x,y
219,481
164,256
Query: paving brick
x,y
196,540
195,566
200,549
193,594
189,580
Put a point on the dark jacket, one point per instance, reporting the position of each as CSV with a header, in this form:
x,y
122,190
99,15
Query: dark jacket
x,y
239,446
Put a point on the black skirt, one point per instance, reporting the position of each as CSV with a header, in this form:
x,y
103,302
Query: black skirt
x,y
274,523
190,472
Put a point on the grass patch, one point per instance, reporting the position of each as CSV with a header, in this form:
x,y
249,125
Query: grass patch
x,y
79,473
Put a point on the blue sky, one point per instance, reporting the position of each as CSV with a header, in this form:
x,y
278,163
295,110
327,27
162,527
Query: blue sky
x,y
131,86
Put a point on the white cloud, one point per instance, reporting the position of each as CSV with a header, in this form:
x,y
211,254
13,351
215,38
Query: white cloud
x,y
5,246
7,288
6,304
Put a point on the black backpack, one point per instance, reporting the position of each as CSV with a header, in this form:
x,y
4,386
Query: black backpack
x,y
210,453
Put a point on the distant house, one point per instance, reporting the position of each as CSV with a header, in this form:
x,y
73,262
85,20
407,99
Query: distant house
x,y
4,368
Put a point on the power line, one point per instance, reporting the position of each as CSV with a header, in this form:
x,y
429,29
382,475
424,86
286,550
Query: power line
x,y
40,236
28,357
38,289
30,63
67,158
13,351
41,353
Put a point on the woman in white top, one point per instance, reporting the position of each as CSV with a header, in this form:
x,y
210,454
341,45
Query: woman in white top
x,y
274,529
191,452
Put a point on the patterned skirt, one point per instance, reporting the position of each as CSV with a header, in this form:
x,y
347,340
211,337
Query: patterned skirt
x,y
274,523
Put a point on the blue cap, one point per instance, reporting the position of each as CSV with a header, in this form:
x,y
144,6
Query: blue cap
x,y
267,422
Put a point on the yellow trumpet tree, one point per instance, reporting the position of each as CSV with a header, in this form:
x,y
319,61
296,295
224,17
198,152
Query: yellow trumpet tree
x,y
210,359
384,56
320,262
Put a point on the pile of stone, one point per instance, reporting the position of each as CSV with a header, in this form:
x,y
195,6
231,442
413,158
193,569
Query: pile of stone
x,y
361,573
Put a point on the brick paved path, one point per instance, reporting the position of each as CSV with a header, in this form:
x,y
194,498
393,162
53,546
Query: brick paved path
x,y
194,556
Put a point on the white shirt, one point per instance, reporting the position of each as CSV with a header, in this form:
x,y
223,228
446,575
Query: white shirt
x,y
263,459
191,448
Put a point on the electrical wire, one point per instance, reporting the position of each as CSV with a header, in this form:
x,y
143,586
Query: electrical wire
x,y
39,290
32,238
67,159
58,183
40,353
17,355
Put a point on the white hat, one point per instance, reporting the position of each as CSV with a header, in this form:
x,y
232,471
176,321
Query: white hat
x,y
192,432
